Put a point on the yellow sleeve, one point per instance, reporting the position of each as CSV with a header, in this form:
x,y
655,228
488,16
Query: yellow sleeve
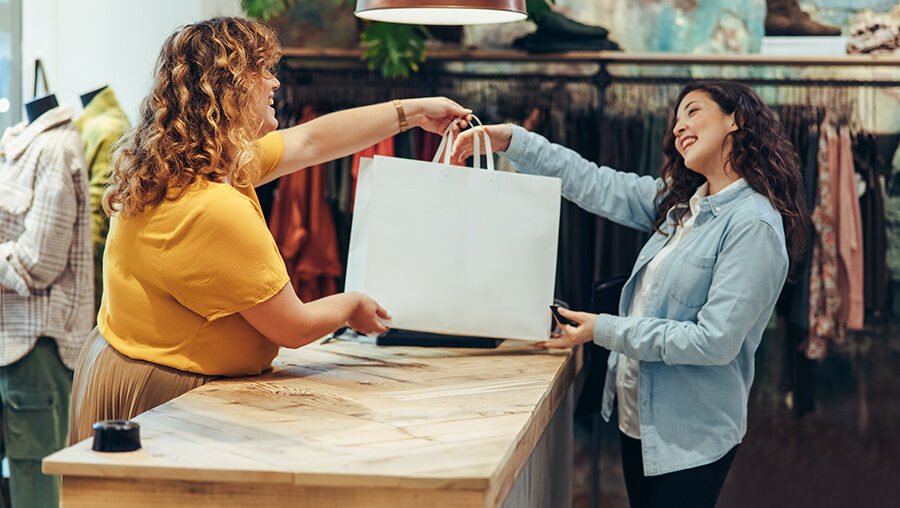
x,y
220,258
270,150
99,180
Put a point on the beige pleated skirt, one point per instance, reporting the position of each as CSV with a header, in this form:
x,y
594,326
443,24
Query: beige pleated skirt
x,y
110,386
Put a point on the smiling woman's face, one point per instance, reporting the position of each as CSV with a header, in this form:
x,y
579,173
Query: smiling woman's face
x,y
262,103
701,128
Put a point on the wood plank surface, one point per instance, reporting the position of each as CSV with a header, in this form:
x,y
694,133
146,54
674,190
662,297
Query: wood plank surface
x,y
85,492
350,415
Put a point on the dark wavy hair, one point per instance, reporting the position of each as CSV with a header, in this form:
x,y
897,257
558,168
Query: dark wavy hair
x,y
761,154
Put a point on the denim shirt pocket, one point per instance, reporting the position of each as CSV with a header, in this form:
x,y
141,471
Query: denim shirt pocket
x,y
691,279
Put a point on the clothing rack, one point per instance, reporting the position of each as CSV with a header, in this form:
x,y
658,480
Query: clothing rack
x,y
603,59
312,66
611,57
838,83
542,75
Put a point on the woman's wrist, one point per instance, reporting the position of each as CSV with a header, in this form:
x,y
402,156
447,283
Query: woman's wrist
x,y
403,123
412,110
416,111
354,299
505,136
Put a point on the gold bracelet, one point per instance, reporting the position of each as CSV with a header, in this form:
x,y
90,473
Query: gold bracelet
x,y
401,116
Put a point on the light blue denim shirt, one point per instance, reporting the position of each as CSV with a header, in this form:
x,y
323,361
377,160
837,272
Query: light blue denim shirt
x,y
710,301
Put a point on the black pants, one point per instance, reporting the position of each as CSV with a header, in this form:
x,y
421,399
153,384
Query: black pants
x,y
691,488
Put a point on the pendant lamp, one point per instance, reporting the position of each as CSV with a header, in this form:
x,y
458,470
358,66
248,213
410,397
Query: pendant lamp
x,y
442,12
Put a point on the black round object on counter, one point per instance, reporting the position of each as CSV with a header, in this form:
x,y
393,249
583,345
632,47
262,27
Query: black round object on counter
x,y
116,436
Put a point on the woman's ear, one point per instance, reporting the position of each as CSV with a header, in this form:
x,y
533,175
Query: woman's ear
x,y
732,123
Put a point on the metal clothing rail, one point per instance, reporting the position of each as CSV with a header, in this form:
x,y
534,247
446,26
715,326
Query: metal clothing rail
x,y
322,69
841,83
301,58
339,87
613,57
427,74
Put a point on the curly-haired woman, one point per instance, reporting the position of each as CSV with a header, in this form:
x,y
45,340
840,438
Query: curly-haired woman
x,y
728,219
194,286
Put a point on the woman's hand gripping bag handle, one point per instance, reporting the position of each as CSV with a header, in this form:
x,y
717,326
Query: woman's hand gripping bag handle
x,y
447,144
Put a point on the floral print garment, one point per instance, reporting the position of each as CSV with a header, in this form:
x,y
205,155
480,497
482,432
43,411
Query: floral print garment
x,y
824,298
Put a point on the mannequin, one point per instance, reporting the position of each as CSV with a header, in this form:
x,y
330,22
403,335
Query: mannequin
x,y
51,302
86,98
40,105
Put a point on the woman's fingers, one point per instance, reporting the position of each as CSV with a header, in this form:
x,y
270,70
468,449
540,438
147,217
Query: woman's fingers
x,y
462,145
578,317
559,343
435,114
454,108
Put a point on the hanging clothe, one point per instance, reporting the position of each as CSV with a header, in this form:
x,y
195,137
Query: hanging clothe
x,y
46,266
303,227
338,184
798,302
101,124
384,147
869,165
849,237
825,300
426,144
624,127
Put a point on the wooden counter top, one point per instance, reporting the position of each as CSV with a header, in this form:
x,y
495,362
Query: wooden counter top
x,y
338,424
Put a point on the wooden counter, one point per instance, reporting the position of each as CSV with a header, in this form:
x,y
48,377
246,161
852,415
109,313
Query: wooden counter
x,y
339,424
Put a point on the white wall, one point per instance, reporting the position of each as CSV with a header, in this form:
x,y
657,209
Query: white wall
x,y
86,44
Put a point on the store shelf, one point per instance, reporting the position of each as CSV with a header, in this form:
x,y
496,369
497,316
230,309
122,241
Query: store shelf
x,y
614,57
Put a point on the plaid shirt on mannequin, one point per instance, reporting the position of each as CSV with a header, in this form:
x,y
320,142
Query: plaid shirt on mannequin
x,y
46,265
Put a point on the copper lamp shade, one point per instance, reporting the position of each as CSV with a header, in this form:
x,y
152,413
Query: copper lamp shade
x,y
442,12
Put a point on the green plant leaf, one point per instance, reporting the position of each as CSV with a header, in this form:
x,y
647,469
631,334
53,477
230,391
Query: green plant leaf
x,y
265,9
396,49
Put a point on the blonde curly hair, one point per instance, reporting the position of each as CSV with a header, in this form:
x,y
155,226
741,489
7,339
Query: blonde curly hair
x,y
194,123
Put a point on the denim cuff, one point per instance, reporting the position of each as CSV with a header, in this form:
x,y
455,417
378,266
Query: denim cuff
x,y
517,144
604,332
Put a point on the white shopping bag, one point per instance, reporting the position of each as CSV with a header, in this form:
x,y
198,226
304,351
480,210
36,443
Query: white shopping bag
x,y
454,250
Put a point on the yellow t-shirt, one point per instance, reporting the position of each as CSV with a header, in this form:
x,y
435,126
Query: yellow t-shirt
x,y
177,275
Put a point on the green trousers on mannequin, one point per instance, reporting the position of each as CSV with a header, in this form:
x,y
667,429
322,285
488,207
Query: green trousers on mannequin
x,y
34,393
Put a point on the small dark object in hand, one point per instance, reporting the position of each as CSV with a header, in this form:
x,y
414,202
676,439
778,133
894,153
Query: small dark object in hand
x,y
559,317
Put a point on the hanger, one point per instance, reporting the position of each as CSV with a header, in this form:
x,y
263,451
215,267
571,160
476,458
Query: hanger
x,y
40,105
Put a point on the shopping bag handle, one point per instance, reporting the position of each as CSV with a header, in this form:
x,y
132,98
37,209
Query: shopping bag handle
x,y
446,142
488,149
447,145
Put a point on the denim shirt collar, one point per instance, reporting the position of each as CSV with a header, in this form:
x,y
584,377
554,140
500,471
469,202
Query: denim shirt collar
x,y
717,201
